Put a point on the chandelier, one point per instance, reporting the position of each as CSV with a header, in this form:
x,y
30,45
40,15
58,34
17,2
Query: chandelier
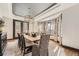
x,y
29,14
28,17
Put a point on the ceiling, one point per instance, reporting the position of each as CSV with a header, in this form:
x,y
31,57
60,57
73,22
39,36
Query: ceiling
x,y
32,9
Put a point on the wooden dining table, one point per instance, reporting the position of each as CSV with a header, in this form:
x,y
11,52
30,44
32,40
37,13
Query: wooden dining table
x,y
37,38
32,39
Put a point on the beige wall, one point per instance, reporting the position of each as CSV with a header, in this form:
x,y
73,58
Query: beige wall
x,y
70,27
8,28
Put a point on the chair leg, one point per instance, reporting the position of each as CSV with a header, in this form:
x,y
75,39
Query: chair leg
x,y
29,49
24,52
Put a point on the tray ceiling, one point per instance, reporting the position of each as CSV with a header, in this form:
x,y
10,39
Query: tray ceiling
x,y
32,9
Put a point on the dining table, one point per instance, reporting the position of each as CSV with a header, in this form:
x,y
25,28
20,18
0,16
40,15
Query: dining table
x,y
37,38
32,39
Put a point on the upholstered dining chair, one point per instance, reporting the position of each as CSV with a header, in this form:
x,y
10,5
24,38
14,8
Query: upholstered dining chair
x,y
19,40
42,48
25,48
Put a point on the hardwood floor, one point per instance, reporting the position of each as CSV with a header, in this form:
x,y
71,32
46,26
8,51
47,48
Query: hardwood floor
x,y
54,50
71,52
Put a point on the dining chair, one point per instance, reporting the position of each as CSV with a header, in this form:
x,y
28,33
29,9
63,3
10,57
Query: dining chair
x,y
44,45
35,50
25,49
19,40
42,48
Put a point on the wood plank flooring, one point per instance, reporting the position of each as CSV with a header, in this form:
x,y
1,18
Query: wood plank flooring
x,y
54,50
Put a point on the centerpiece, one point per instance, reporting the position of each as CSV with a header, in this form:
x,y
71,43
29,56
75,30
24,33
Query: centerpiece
x,y
1,24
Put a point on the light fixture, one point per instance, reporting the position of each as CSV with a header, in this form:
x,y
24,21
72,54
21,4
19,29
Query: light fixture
x,y
29,14
28,17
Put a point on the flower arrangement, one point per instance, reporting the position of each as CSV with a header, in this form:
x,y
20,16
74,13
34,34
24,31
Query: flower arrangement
x,y
1,24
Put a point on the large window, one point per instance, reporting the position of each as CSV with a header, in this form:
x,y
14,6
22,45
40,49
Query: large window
x,y
19,27
41,27
52,27
47,27
25,27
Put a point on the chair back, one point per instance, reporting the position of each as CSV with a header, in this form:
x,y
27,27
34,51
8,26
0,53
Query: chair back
x,y
18,35
35,50
44,45
19,39
23,42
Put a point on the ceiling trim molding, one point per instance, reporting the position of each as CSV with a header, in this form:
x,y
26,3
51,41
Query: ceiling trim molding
x,y
46,9
50,16
46,12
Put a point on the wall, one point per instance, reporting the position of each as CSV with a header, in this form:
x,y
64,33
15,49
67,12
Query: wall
x,y
4,14
70,27
8,28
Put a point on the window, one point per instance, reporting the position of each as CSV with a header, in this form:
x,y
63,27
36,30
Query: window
x,y
41,27
52,27
48,28
25,27
17,28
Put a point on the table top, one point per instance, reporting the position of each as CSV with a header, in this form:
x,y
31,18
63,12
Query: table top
x,y
35,38
32,38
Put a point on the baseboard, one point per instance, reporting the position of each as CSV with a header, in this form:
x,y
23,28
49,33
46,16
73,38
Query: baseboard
x,y
70,47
